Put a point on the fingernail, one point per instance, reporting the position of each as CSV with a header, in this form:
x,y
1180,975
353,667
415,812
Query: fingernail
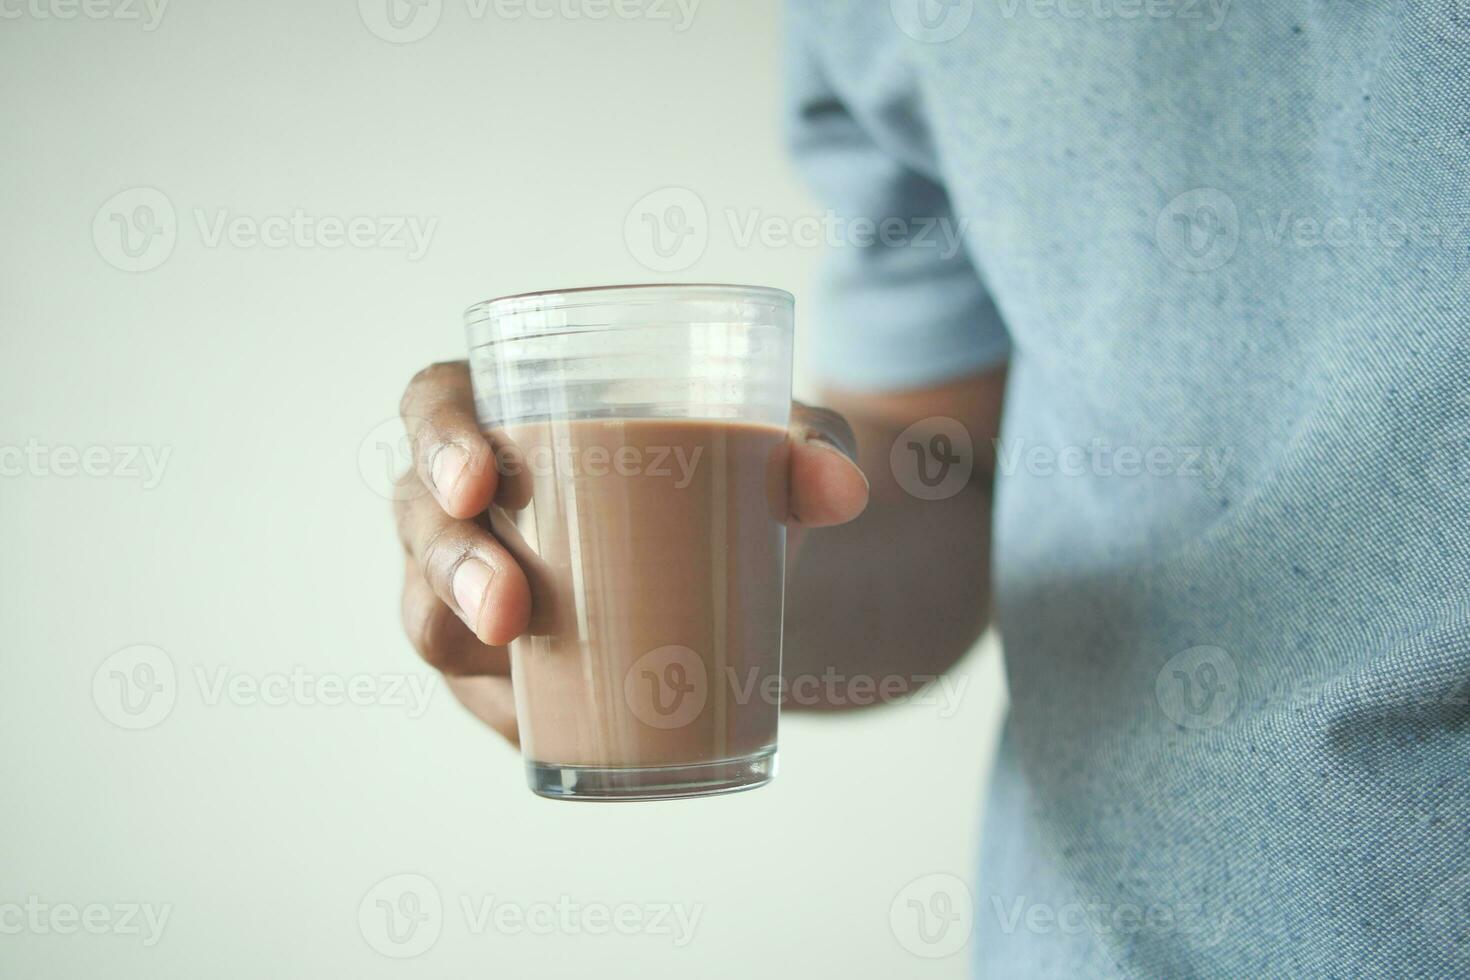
x,y
820,439
449,464
471,582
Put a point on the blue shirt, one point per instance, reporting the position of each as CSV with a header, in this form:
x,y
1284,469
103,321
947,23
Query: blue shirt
x,y
1225,248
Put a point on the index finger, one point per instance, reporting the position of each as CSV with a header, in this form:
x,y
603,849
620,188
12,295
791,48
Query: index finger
x,y
451,456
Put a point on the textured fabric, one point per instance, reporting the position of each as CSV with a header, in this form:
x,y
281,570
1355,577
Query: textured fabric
x,y
1226,249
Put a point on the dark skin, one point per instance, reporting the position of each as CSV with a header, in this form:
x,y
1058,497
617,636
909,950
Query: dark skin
x,y
888,586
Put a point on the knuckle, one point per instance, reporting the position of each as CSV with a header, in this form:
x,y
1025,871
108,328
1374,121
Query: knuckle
x,y
409,515
425,443
443,549
443,374
419,622
438,375
407,487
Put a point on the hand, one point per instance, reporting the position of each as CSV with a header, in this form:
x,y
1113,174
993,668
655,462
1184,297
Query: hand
x,y
464,596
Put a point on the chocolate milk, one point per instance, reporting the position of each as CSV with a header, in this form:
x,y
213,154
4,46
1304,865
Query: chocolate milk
x,y
655,552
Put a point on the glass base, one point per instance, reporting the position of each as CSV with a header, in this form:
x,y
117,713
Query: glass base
x,y
652,783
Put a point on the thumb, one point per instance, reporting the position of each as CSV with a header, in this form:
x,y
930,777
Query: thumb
x,y
827,485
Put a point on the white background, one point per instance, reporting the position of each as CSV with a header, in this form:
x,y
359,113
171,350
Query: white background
x,y
266,546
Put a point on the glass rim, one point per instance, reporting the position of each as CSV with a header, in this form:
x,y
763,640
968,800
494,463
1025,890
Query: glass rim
x,y
557,299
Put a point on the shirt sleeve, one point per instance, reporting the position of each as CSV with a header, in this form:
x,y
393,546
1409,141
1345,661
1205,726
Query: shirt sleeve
x,y
894,311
